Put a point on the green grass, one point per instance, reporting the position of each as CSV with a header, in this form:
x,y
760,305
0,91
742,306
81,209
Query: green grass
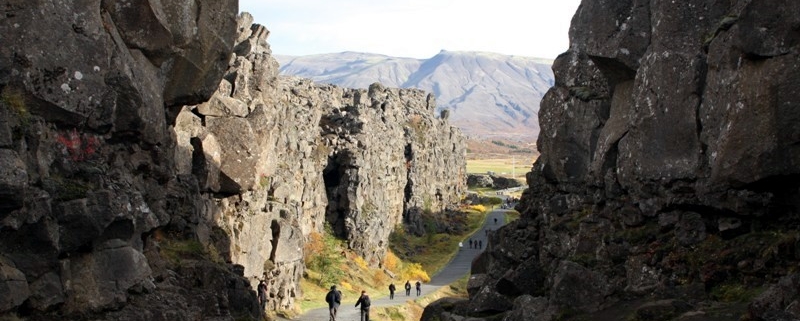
x,y
501,167
511,215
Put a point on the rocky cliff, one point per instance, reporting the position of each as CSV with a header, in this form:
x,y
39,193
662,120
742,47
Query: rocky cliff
x,y
667,186
154,164
281,157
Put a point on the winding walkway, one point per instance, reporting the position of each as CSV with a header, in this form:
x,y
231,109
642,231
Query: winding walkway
x,y
454,270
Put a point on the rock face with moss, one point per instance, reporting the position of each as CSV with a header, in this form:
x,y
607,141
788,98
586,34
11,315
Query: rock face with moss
x,y
279,158
667,183
153,164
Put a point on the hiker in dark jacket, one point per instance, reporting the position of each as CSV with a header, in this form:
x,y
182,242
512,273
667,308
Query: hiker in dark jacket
x,y
391,291
334,298
408,287
364,302
419,288
262,294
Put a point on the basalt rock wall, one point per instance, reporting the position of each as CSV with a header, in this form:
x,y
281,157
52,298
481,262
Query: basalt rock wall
x,y
668,172
89,90
153,164
280,158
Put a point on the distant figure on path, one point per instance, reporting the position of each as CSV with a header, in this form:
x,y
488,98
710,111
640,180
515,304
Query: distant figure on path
x,y
408,288
495,220
334,298
364,302
262,294
419,288
391,291
480,244
470,243
460,245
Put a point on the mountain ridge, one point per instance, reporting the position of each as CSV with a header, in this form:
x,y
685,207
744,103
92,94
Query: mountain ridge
x,y
489,95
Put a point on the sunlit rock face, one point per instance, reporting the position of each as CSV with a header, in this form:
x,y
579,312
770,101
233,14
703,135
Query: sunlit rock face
x,y
668,170
283,157
153,165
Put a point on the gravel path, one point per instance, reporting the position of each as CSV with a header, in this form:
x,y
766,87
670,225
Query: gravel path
x,y
454,270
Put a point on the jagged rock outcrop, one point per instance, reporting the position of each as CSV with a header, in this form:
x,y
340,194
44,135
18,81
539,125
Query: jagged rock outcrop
x,y
146,172
281,157
667,183
497,182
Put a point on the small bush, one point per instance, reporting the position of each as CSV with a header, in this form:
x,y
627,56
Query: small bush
x,y
346,285
414,271
379,277
480,208
360,262
390,261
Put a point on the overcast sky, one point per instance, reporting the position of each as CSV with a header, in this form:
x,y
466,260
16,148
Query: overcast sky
x,y
415,28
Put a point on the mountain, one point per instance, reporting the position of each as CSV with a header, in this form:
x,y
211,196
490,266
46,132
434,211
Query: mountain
x,y
488,95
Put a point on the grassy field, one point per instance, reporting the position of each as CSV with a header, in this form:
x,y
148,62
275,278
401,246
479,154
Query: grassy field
x,y
506,167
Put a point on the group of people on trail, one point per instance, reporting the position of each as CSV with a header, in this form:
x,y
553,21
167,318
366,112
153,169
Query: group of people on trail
x,y
418,285
477,244
334,299
393,288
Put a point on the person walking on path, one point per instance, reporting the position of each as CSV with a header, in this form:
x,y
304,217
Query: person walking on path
x,y
391,291
470,243
419,288
262,294
334,298
364,302
480,244
408,288
460,245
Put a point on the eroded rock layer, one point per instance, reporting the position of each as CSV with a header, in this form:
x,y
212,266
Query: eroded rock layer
x,y
667,186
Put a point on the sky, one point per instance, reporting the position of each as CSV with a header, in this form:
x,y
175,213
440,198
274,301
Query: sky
x,y
415,28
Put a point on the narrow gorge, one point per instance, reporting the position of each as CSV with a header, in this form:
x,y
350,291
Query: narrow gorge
x,y
132,130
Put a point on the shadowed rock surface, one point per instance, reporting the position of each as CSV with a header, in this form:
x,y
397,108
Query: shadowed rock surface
x,y
153,164
667,186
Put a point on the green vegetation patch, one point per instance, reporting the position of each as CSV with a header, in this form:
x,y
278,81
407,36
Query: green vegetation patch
x,y
507,167
14,99
735,292
177,250
511,215
432,251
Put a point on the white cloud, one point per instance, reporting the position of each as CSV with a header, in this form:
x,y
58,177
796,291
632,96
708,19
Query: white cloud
x,y
415,28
